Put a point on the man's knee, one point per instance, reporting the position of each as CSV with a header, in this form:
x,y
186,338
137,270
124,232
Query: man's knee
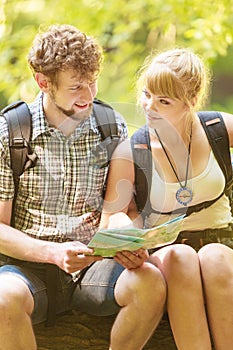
x,y
145,283
15,298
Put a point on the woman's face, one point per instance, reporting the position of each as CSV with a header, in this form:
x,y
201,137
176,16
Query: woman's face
x,y
158,109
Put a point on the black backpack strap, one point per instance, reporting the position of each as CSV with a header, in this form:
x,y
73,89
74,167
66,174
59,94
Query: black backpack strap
x,y
218,138
140,144
18,118
107,126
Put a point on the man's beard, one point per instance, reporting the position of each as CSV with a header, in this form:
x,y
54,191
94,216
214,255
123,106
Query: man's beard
x,y
79,116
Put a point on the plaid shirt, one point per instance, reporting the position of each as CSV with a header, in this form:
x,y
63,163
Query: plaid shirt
x,y
61,197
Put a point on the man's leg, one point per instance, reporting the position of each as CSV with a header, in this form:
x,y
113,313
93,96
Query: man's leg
x,y
141,293
16,306
23,301
138,295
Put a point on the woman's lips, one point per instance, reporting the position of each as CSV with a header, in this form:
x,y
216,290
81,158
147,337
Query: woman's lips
x,y
154,117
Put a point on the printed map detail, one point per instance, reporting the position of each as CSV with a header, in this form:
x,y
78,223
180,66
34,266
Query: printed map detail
x,y
106,242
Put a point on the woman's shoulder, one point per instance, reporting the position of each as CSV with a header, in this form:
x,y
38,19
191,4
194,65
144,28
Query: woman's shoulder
x,y
123,150
208,115
228,120
227,116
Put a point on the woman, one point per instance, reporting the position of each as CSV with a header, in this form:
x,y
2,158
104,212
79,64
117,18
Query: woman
x,y
171,87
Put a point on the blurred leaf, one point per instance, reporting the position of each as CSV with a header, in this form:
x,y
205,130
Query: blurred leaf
x,y
128,31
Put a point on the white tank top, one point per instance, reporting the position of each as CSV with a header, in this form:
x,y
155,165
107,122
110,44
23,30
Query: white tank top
x,y
206,186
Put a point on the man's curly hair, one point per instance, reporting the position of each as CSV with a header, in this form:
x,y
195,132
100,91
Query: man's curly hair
x,y
65,47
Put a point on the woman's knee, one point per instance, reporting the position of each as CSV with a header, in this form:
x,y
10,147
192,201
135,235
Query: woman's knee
x,y
216,261
214,253
181,258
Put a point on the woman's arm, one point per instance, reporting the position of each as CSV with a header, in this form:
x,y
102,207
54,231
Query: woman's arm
x,y
120,182
119,208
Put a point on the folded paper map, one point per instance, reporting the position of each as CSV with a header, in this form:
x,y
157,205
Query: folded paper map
x,y
106,242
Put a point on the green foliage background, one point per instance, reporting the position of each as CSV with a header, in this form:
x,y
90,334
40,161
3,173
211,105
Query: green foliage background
x,y
128,30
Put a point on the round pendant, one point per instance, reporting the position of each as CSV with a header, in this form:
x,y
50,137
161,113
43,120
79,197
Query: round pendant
x,y
184,196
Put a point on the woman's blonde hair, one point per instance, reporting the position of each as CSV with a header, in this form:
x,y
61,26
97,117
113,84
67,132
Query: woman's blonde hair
x,y
179,74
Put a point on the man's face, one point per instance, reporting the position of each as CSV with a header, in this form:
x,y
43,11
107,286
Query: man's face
x,y
73,97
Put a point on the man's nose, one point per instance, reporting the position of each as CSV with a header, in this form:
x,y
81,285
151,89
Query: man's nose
x,y
87,94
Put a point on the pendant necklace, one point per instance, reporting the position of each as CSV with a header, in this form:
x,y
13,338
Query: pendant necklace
x,y
184,194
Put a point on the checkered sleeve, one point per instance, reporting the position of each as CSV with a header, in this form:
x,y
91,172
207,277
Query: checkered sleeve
x,y
122,126
6,177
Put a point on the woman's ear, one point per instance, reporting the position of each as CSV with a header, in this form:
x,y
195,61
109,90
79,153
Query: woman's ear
x,y
194,101
42,81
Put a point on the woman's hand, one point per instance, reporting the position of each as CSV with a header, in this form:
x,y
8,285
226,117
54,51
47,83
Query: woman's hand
x,y
132,260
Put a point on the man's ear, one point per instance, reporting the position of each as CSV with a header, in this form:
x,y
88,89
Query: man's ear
x,y
42,81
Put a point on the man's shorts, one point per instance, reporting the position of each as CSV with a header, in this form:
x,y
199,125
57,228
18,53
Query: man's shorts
x,y
94,294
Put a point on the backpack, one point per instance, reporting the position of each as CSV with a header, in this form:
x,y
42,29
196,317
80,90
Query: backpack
x,y
217,135
19,122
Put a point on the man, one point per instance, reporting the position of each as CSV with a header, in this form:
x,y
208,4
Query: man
x,y
58,210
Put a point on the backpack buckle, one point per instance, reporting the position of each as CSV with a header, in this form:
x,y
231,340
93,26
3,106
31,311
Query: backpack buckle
x,y
18,143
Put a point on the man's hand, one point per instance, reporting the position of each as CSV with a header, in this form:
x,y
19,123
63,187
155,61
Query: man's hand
x,y
74,256
132,260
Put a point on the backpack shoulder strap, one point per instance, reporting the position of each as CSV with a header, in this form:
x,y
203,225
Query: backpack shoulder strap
x,y
18,118
105,118
217,135
140,144
107,126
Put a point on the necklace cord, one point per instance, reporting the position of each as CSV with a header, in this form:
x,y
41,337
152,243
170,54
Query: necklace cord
x,y
168,158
